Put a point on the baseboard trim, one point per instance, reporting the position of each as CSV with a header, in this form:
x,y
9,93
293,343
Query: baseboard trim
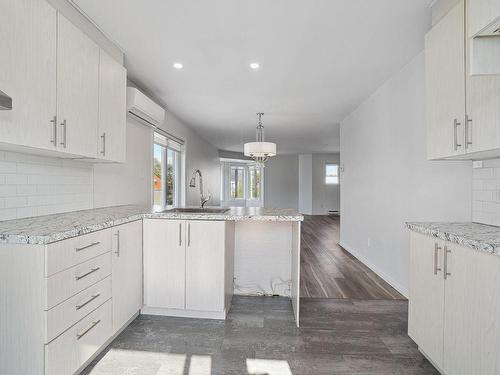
x,y
374,268
148,310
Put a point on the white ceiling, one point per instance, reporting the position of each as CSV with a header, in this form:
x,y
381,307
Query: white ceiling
x,y
319,60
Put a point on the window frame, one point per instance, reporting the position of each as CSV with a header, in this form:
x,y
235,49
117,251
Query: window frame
x,y
177,148
226,198
325,175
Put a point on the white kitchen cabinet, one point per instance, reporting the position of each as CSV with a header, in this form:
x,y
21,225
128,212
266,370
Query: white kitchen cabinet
x,y
188,268
481,13
205,254
472,307
426,296
28,72
453,306
112,109
164,263
445,85
77,90
126,272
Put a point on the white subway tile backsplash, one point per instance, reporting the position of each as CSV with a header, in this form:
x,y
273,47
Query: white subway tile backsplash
x,y
32,185
486,193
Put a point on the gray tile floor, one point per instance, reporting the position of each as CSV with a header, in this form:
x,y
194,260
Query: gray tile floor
x,y
259,337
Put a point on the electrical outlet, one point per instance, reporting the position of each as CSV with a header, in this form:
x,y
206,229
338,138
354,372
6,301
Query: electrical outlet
x,y
477,164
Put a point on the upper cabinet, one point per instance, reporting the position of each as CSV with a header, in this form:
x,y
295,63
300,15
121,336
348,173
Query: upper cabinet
x,y
28,73
463,110
112,109
77,90
481,14
445,85
68,95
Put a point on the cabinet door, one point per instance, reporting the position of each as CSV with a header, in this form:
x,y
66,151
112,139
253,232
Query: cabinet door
x,y
28,72
472,308
164,263
426,299
445,85
112,108
483,110
205,265
126,272
77,90
481,13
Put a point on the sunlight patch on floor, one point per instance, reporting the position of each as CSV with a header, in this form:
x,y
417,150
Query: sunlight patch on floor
x,y
268,367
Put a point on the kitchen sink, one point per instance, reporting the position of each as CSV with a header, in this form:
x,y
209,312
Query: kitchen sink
x,y
199,210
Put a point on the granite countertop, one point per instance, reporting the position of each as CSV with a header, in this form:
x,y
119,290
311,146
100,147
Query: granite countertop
x,y
56,227
480,237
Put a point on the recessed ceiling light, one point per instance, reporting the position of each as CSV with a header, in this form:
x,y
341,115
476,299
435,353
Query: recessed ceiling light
x,y
254,65
178,65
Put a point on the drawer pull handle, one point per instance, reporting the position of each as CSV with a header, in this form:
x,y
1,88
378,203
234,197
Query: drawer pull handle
x,y
78,307
88,273
80,335
86,247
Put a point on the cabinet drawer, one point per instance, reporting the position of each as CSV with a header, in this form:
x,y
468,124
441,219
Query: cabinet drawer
x,y
66,284
68,253
69,351
67,313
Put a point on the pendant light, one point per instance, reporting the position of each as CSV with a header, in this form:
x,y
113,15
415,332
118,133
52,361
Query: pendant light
x,y
260,151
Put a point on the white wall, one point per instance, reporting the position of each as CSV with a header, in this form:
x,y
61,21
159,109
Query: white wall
x,y
324,197
387,180
281,182
306,184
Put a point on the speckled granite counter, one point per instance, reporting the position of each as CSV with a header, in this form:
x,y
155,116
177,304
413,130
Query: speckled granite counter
x,y
480,237
52,228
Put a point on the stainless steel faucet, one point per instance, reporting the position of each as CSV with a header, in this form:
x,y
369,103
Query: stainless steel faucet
x,y
192,184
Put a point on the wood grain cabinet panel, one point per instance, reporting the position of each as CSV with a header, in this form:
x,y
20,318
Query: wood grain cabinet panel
x,y
77,90
472,307
445,85
164,263
28,72
426,295
112,108
127,272
481,13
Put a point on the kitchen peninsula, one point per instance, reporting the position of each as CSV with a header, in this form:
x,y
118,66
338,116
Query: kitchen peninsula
x,y
81,277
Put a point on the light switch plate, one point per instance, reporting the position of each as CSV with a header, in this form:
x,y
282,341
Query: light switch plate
x,y
477,164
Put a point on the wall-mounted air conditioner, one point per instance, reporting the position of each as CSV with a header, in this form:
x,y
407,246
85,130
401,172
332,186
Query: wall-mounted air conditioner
x,y
143,108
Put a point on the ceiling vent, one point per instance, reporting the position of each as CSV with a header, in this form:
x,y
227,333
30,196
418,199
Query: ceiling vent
x,y
143,108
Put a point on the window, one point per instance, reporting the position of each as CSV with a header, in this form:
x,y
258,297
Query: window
x,y
242,183
331,174
166,172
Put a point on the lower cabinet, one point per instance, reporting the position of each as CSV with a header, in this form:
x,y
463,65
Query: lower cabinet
x,y
188,267
63,301
126,272
454,304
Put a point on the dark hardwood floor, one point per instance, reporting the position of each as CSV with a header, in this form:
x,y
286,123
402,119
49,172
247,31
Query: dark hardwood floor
x,y
329,271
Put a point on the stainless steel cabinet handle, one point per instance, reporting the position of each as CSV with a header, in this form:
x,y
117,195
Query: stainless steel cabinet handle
x,y
54,131
88,273
436,253
78,307
103,137
180,234
117,252
189,234
446,273
468,127
80,335
63,126
86,247
456,145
